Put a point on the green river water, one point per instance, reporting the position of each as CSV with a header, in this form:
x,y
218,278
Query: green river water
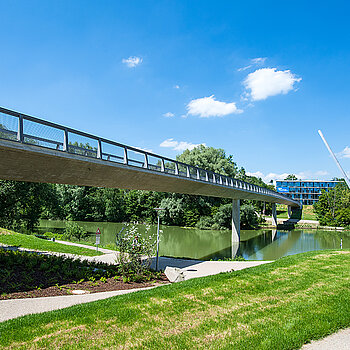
x,y
210,244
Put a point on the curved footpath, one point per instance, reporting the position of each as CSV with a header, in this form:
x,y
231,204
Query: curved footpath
x,y
14,308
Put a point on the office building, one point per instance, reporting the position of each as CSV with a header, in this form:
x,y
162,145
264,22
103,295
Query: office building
x,y
306,192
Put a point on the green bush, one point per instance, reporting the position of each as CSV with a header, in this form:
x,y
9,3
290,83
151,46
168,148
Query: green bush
x,y
73,230
205,222
23,271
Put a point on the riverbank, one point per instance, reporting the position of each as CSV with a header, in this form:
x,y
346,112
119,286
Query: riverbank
x,y
17,241
279,305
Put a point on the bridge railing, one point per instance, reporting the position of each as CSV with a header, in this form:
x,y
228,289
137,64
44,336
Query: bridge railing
x,y
26,129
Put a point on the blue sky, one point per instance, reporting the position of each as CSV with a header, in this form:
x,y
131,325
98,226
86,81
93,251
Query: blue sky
x,y
257,79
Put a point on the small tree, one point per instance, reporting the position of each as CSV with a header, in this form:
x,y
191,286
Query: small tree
x,y
135,250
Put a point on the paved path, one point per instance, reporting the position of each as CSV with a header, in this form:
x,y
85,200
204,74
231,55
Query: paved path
x,y
336,341
199,268
19,307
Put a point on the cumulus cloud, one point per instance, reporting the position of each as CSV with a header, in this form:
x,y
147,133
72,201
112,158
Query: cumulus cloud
x,y
206,107
176,87
132,61
345,153
266,82
179,145
168,115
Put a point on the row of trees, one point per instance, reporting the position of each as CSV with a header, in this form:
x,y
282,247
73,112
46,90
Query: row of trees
x,y
333,207
23,204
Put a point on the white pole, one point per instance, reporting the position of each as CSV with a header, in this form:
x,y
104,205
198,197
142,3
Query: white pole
x,y
335,159
157,244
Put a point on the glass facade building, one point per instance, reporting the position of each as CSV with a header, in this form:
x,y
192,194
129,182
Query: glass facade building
x,y
306,192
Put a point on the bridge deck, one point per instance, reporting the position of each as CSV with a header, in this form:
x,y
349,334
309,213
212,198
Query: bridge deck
x,y
34,150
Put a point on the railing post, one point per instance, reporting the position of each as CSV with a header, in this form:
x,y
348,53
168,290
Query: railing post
x,y
206,177
99,149
126,156
176,168
146,161
214,179
162,165
65,140
187,171
20,137
198,175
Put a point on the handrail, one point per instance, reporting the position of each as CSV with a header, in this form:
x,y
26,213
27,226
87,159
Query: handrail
x,y
180,169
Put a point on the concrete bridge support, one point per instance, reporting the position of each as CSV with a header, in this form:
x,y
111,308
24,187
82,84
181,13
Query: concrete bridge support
x,y
274,215
289,211
236,232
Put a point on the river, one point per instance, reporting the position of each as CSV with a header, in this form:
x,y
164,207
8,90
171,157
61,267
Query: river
x,y
211,244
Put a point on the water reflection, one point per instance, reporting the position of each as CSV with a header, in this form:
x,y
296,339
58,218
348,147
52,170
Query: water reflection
x,y
210,244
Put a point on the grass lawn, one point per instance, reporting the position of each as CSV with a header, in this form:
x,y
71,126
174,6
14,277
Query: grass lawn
x,y
31,242
280,305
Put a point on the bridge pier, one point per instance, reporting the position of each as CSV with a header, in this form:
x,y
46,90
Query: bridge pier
x,y
236,231
274,215
289,211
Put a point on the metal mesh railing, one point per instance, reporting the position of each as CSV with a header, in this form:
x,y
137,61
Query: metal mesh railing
x,y
22,128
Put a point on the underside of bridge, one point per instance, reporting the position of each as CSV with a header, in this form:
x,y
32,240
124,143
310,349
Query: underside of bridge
x,y
23,162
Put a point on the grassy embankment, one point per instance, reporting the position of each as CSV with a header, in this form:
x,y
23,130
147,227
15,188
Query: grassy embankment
x,y
11,238
280,305
307,214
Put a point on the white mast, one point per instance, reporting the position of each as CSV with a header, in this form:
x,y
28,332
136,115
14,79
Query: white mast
x,y
335,159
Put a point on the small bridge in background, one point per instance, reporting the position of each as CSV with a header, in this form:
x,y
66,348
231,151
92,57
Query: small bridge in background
x,y
32,149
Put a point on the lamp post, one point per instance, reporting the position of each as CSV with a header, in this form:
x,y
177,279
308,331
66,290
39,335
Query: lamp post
x,y
158,210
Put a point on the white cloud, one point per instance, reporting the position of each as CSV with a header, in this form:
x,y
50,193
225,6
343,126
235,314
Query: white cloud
x,y
179,145
304,175
345,153
168,115
176,87
206,107
132,61
267,82
253,62
258,60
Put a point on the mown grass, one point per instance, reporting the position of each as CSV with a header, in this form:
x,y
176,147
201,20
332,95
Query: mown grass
x,y
307,214
281,305
11,238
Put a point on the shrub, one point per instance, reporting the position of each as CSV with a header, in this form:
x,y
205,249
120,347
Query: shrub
x,y
135,251
73,230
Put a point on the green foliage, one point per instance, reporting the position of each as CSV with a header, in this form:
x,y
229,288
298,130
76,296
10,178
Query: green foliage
x,y
212,159
248,216
21,203
135,251
22,271
73,230
291,177
333,207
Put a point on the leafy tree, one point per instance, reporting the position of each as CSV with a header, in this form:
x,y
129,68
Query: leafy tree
x,y
21,203
291,177
333,206
249,218
213,159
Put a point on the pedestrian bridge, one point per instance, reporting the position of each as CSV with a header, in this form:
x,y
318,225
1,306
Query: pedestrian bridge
x,y
36,150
